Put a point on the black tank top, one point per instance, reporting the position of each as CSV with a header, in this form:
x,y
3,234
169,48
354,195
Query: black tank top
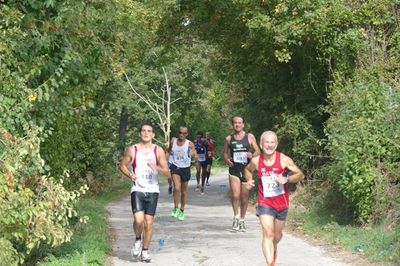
x,y
239,149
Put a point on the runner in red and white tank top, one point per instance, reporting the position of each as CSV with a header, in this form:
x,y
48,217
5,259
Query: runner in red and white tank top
x,y
273,193
270,192
147,161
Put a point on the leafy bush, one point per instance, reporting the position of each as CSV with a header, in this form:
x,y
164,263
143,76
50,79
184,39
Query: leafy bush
x,y
35,209
298,139
364,137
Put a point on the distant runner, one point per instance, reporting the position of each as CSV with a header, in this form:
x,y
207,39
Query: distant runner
x,y
237,152
181,150
147,161
201,164
273,192
211,150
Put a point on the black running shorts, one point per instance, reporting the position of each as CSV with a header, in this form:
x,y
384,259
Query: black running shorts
x,y
237,170
184,173
145,202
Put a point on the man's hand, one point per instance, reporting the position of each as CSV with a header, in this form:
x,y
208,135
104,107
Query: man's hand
x,y
250,184
229,162
132,176
281,179
249,155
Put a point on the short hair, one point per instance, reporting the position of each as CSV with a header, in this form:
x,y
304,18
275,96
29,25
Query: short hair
x,y
237,116
146,124
199,133
268,133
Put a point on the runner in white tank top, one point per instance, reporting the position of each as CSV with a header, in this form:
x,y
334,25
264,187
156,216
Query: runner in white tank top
x,y
147,161
181,150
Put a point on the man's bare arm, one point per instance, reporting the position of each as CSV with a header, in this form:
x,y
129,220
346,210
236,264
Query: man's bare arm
x,y
248,171
253,143
296,174
126,160
225,153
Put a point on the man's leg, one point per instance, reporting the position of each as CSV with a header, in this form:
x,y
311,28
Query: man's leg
x,y
138,223
198,172
234,183
244,200
138,230
203,177
278,228
208,173
148,230
169,185
267,223
184,188
177,189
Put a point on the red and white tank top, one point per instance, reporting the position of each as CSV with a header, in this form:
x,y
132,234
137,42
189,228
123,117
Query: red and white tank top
x,y
146,178
270,192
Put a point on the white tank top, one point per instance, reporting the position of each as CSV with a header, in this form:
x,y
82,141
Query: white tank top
x,y
146,178
180,154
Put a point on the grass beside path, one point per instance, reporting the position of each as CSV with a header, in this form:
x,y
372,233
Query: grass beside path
x,y
378,243
90,244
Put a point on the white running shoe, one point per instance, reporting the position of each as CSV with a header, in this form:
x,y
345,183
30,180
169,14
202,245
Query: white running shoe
x,y
235,224
144,257
137,248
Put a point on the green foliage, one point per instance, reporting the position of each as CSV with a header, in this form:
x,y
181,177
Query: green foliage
x,y
298,139
35,209
364,133
90,243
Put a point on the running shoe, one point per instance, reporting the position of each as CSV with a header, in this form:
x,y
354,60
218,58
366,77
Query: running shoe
x,y
181,215
144,256
197,188
202,191
235,224
208,184
170,190
175,212
242,227
137,247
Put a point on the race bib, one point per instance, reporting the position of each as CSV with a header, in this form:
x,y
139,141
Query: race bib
x,y
202,157
180,157
210,154
145,175
271,188
240,157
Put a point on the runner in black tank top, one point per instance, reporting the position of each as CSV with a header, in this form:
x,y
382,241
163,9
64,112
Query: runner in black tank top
x,y
238,150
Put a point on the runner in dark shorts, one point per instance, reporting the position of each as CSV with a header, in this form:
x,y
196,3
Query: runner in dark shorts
x,y
146,160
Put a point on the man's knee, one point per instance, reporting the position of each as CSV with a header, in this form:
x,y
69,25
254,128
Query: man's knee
x,y
138,219
277,237
268,234
148,223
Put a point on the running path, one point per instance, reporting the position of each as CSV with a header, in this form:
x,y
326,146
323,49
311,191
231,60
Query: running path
x,y
205,237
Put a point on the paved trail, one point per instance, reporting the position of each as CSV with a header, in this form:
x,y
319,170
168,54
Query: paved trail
x,y
205,237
